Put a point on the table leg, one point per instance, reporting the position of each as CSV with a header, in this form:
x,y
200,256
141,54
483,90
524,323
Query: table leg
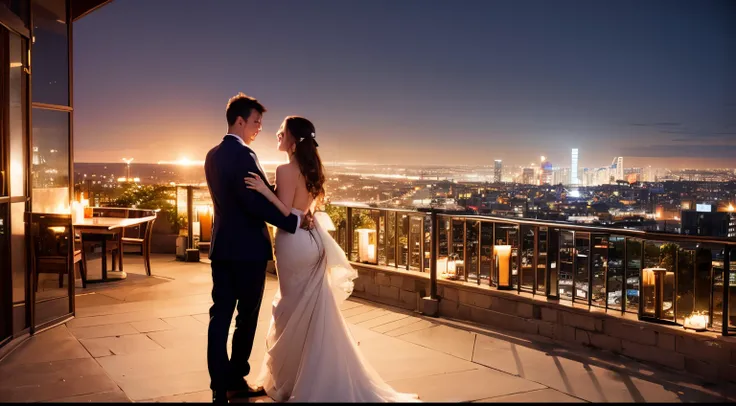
x,y
104,259
120,251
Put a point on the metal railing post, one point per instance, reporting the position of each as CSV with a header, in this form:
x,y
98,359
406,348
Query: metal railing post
x,y
726,280
433,256
190,215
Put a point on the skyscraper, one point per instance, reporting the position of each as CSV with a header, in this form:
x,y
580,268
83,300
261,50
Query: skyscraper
x,y
617,168
527,176
545,172
574,168
497,170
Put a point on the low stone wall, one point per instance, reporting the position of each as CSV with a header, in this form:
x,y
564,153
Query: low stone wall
x,y
395,287
706,354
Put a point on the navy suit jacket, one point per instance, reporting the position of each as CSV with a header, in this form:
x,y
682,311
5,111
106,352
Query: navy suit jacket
x,y
239,230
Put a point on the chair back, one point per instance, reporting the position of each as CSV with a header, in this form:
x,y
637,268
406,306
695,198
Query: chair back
x,y
51,238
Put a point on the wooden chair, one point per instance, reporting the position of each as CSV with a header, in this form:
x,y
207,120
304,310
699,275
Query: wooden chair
x,y
140,236
50,238
112,247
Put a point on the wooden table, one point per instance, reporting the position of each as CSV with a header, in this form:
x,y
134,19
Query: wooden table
x,y
109,227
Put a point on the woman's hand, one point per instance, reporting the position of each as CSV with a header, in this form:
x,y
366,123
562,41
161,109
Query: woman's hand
x,y
255,182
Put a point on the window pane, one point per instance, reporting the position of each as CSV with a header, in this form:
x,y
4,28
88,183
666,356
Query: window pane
x,y
633,271
527,257
17,119
50,170
403,240
599,262
18,251
5,276
415,235
50,63
582,255
391,239
471,250
685,282
567,250
542,246
381,221
486,251
616,271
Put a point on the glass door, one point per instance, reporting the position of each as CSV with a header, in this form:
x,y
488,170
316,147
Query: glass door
x,y
13,197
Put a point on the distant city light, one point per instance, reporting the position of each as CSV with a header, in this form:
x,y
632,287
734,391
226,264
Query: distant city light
x,y
184,161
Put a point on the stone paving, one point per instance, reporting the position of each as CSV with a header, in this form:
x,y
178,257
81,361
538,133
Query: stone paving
x,y
144,340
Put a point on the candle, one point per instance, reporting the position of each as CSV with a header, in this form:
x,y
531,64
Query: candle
x,y
503,263
696,321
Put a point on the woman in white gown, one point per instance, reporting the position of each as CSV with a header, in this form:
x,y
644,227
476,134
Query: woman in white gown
x,y
310,354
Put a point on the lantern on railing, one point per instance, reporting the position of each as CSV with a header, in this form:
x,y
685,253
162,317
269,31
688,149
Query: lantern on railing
x,y
502,259
449,266
653,280
696,321
366,245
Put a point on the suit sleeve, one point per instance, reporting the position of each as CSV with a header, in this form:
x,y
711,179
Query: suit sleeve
x,y
255,203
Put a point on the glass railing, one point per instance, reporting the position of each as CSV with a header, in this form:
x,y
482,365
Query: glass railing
x,y
666,278
674,279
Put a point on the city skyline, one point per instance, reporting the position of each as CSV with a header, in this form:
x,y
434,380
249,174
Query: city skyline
x,y
497,80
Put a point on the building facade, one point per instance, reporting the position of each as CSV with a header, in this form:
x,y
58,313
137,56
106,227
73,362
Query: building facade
x,y
36,139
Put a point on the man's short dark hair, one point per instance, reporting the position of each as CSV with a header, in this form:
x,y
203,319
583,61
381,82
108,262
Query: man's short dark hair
x,y
241,105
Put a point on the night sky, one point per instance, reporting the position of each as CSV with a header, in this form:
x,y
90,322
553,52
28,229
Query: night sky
x,y
414,82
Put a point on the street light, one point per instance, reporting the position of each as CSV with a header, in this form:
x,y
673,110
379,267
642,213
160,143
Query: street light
x,y
127,162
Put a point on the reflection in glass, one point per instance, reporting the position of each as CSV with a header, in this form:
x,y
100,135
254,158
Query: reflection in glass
x,y
471,250
582,256
339,217
18,251
542,246
5,276
616,271
16,118
553,276
403,239
427,242
391,239
633,271
51,246
685,283
567,252
443,245
527,257
457,251
599,263
415,239
732,289
50,169
50,53
704,256
381,221
718,288
486,251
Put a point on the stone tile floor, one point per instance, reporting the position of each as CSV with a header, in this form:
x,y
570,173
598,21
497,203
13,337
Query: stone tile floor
x,y
144,340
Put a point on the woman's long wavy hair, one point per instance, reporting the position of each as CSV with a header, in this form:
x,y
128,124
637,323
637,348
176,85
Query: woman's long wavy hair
x,y
306,154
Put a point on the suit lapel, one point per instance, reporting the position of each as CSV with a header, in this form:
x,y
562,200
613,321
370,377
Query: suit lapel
x,y
255,159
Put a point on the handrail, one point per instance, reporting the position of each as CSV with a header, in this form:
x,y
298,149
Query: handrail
x,y
649,235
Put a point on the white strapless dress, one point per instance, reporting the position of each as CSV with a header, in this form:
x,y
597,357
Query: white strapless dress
x,y
310,354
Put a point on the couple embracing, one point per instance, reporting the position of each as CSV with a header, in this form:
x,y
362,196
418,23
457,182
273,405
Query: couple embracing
x,y
310,353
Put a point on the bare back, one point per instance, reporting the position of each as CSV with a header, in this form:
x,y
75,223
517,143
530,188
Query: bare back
x,y
291,187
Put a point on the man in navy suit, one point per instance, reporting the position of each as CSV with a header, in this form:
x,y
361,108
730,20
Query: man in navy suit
x,y
240,248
